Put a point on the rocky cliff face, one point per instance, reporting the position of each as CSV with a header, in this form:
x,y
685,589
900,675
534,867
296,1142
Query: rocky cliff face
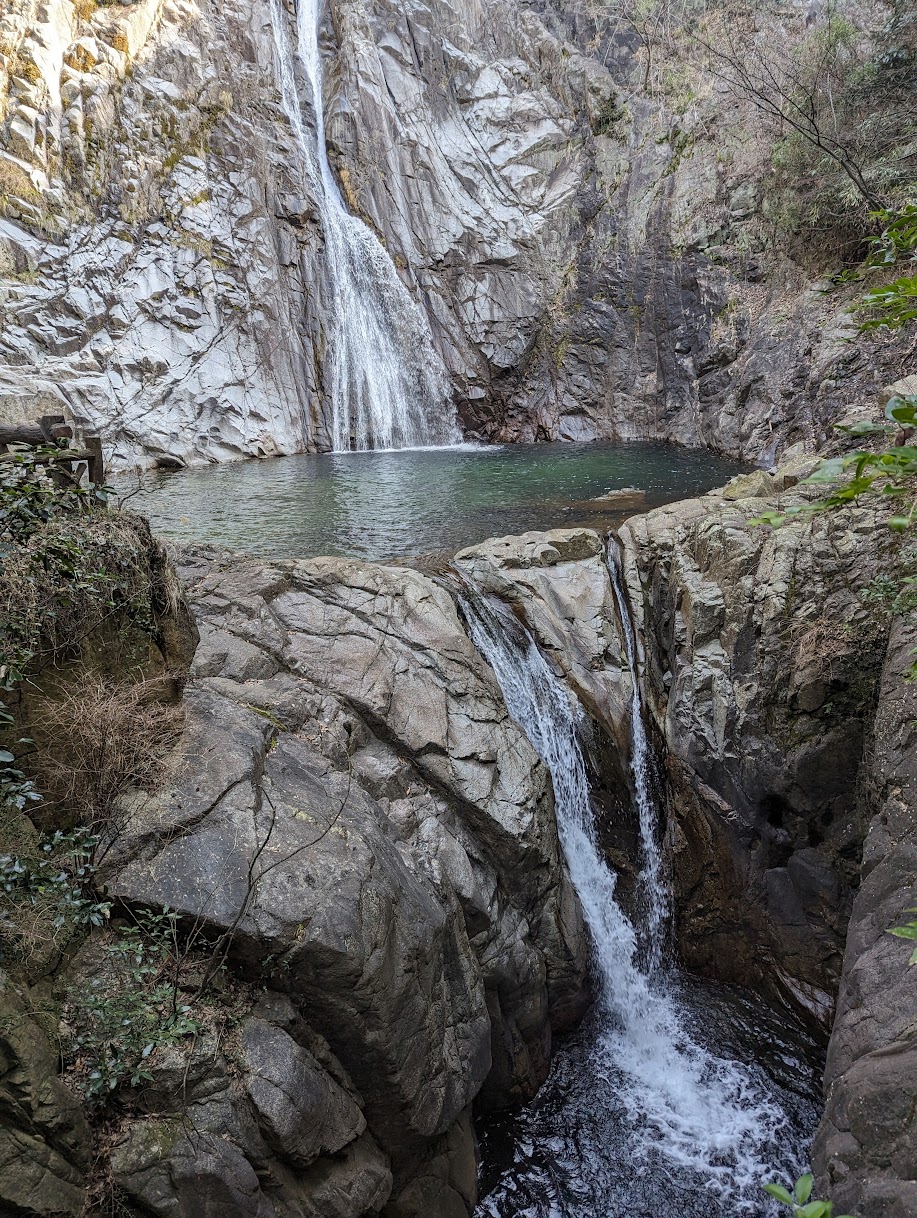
x,y
357,833
590,258
352,806
762,670
865,1145
786,728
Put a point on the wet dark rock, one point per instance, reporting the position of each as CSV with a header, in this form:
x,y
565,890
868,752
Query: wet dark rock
x,y
762,672
865,1147
44,1138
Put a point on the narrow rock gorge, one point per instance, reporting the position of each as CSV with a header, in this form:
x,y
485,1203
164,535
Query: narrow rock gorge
x,y
354,829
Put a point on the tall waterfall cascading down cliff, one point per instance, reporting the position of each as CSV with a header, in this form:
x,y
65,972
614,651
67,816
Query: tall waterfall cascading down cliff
x,y
711,1124
387,386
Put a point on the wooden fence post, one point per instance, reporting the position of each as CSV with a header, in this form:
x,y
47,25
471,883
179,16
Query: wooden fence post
x,y
96,460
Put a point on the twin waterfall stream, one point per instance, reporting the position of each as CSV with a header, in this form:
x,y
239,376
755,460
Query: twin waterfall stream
x,y
639,1110
388,388
644,1113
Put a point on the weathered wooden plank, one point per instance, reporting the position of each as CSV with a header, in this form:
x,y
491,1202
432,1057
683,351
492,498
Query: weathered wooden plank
x,y
22,433
45,431
96,459
65,457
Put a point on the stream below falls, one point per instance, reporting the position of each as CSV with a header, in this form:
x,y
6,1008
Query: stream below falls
x,y
675,1099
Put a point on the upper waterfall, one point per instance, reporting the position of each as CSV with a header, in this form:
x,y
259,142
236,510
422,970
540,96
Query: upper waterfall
x,y
387,386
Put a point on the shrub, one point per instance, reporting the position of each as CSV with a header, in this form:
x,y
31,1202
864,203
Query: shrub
x,y
133,1004
797,1199
46,892
98,740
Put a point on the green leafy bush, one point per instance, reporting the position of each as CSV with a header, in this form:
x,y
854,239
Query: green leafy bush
x,y
892,471
48,891
30,494
133,1005
798,1200
61,873
908,931
892,305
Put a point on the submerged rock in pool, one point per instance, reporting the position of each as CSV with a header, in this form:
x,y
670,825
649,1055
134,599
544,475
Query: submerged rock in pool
x,y
627,499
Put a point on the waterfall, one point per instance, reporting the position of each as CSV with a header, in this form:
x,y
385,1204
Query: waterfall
x,y
388,387
706,1116
652,876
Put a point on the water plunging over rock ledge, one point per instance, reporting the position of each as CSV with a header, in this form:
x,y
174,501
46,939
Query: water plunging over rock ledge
x,y
587,267
693,1122
353,812
388,387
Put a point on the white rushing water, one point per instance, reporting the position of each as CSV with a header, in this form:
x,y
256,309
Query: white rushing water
x,y
652,874
386,384
708,1117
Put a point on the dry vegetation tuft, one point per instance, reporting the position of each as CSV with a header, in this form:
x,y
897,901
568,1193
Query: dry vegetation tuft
x,y
99,741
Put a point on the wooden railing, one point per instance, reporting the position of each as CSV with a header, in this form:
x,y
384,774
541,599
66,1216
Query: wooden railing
x,y
69,464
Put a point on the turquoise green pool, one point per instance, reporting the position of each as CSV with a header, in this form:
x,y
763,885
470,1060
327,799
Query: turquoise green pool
x,y
381,505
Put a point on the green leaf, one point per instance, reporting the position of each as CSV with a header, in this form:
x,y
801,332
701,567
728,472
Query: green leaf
x,y
6,756
828,471
780,1193
803,1190
863,429
904,932
815,1209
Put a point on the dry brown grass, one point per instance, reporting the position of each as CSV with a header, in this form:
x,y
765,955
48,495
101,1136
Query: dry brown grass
x,y
15,182
98,741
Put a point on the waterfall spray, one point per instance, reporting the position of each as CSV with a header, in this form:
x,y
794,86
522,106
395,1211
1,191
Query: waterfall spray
x,y
387,386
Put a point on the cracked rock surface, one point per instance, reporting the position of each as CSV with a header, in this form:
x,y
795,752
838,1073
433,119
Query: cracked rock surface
x,y
352,800
162,271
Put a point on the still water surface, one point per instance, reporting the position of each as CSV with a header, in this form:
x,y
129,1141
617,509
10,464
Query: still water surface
x,y
380,505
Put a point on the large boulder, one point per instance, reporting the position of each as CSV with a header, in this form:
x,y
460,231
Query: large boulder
x,y
352,810
559,582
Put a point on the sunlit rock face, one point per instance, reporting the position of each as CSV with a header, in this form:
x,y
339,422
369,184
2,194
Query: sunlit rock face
x,y
153,287
583,263
162,254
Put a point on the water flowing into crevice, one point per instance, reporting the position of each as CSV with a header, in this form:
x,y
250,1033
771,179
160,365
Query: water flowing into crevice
x,y
385,383
659,1116
654,889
